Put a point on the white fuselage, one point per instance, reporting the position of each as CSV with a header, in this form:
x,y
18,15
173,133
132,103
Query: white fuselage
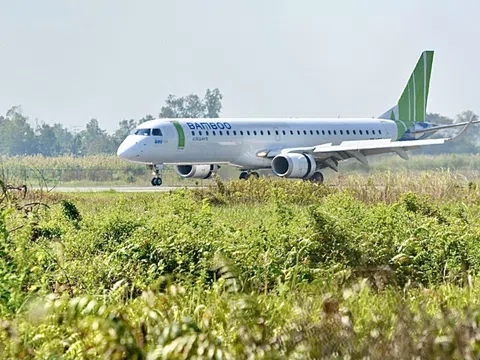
x,y
239,141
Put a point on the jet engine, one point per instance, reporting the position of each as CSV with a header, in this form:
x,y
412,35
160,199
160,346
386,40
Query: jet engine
x,y
294,165
196,171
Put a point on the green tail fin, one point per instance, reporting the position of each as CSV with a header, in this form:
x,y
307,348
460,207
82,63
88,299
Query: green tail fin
x,y
412,105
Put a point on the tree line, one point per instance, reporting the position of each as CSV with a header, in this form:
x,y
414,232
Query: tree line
x,y
19,137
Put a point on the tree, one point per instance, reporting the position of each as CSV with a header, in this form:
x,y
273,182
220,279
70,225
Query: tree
x,y
213,103
95,140
17,136
192,106
65,140
125,127
47,143
174,108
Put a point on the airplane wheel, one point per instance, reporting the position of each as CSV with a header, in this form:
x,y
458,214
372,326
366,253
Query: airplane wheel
x,y
243,175
317,177
253,175
156,181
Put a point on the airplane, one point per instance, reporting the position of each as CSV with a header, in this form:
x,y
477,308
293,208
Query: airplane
x,y
291,148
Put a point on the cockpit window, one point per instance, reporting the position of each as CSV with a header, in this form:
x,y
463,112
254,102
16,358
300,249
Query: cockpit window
x,y
156,132
144,132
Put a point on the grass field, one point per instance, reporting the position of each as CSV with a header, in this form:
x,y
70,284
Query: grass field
x,y
111,170
257,269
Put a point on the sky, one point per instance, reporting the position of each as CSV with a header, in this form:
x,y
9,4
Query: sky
x,y
67,61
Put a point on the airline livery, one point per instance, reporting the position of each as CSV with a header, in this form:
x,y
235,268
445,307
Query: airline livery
x,y
292,148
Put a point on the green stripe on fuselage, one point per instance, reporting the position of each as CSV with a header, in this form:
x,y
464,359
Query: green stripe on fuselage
x,y
180,133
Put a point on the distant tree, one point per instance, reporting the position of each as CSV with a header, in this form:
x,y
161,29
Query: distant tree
x,y
213,103
192,106
65,140
174,107
468,143
95,140
16,135
125,127
47,143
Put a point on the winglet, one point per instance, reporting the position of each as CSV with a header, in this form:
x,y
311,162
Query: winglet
x,y
463,130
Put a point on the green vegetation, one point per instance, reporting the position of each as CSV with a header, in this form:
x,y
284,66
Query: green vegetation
x,y
253,269
111,170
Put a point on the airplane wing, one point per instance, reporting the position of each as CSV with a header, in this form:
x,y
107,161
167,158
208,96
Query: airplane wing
x,y
330,154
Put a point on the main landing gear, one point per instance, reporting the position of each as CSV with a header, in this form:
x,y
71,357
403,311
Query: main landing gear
x,y
317,177
246,175
157,180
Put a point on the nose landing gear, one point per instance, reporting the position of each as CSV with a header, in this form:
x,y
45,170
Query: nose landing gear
x,y
157,180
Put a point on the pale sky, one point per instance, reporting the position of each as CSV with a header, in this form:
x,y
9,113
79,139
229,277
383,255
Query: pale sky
x,y
67,61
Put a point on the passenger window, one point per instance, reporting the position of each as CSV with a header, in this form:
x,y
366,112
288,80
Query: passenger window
x,y
200,133
311,132
298,132
276,132
284,133
334,132
323,132
268,132
354,132
213,132
348,132
329,132
234,133
254,132
366,132
241,132
228,132
206,133
341,132
380,132
156,132
291,132
360,131
373,132
248,132
318,132
220,133
193,133
304,132
261,132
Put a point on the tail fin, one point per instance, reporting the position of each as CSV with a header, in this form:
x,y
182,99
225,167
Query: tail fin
x,y
412,105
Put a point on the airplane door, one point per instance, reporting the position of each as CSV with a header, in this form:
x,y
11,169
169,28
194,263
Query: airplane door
x,y
277,134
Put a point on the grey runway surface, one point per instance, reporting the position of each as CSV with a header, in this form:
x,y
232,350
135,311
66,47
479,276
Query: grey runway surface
x,y
127,189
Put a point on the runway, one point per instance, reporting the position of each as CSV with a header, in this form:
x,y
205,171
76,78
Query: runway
x,y
122,189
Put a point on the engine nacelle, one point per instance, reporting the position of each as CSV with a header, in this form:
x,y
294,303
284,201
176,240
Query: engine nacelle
x,y
196,171
294,165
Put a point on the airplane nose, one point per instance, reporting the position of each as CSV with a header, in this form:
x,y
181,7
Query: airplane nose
x,y
126,150
121,149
